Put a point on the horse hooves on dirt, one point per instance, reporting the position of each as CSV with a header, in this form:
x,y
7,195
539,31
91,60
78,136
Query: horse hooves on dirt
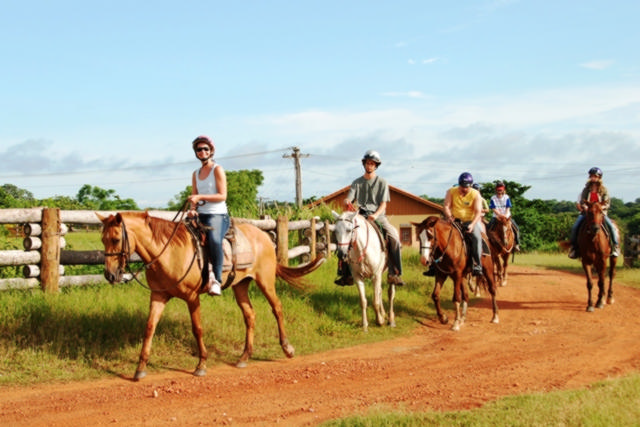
x,y
495,319
590,309
139,375
241,364
289,351
199,372
610,300
456,326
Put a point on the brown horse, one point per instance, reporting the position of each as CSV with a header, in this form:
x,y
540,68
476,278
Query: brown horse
x,y
502,240
442,245
168,251
595,249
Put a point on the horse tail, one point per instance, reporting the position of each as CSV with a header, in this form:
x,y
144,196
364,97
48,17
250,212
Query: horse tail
x,y
293,275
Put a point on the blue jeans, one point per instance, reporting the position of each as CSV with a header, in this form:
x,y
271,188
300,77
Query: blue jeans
x,y
217,226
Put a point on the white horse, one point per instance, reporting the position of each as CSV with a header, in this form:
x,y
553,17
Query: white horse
x,y
359,244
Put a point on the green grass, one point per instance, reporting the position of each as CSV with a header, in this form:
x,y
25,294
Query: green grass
x,y
606,403
91,332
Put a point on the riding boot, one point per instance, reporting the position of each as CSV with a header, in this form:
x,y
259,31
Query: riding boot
x,y
344,272
431,271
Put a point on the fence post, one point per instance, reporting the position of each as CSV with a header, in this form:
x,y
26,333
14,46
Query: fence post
x,y
50,252
327,236
282,240
312,240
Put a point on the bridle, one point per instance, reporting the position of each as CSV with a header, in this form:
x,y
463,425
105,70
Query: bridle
x,y
354,237
433,246
125,253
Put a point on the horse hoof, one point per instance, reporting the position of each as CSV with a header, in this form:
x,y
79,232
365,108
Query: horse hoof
x,y
495,319
199,372
590,309
600,305
392,324
456,326
609,301
241,364
139,375
289,351
444,320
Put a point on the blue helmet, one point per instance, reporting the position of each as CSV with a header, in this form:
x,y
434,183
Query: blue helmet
x,y
596,171
465,179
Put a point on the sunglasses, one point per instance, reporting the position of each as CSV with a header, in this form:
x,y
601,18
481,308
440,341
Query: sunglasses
x,y
199,149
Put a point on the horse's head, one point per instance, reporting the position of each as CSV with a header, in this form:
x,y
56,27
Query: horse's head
x,y
594,216
503,230
343,232
117,247
426,233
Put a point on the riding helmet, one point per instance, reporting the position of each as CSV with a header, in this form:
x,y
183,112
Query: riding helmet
x,y
595,171
372,155
465,179
203,139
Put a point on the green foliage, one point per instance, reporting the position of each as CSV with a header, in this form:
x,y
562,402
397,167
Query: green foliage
x,y
96,198
14,197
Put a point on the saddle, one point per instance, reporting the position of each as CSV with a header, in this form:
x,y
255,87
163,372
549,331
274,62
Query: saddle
x,y
468,242
237,250
379,230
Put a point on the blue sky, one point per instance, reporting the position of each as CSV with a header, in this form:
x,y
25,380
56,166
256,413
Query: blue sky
x,y
111,93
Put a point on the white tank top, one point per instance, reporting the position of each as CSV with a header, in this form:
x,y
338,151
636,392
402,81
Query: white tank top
x,y
208,186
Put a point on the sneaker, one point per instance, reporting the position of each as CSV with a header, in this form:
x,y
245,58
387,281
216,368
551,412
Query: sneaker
x,y
476,272
214,288
573,254
615,252
344,281
517,248
395,280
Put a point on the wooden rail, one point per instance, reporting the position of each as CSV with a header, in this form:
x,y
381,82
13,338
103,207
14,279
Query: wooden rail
x,y
44,257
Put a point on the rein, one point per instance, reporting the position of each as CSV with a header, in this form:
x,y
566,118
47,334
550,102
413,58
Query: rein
x,y
443,250
125,253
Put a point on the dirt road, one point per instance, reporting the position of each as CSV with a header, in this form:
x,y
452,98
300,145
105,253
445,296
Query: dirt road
x,y
545,341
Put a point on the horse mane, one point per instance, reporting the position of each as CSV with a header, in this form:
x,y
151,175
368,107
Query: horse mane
x,y
162,229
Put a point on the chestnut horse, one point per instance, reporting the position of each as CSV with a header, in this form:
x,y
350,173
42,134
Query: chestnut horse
x,y
594,250
168,251
442,245
502,240
360,244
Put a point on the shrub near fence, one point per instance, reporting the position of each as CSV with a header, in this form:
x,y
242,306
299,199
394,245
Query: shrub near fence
x,y
44,255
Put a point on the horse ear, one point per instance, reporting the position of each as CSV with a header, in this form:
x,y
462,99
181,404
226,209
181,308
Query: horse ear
x,y
100,217
118,218
431,221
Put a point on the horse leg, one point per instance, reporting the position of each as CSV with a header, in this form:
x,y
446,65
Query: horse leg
x,y
435,296
269,292
601,274
457,301
377,300
156,307
392,297
505,263
241,292
587,271
196,328
612,275
490,279
363,303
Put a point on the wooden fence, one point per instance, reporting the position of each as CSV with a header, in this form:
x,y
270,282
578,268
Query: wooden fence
x,y
44,255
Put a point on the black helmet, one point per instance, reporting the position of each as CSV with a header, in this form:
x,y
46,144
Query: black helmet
x,y
465,179
476,186
595,171
372,155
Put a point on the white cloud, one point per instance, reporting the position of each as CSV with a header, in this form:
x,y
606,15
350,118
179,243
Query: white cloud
x,y
597,64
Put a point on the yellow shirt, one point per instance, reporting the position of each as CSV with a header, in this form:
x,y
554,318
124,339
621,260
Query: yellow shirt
x,y
462,206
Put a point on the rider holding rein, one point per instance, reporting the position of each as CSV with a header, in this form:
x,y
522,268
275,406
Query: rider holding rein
x,y
208,200
501,206
594,190
464,203
371,192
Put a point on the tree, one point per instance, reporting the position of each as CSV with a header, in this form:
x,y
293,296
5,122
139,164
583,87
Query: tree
x,y
12,196
100,199
242,193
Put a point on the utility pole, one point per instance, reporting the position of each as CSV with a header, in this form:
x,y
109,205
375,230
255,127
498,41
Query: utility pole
x,y
296,160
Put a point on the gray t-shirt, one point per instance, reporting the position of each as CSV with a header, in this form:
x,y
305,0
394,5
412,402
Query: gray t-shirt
x,y
369,193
